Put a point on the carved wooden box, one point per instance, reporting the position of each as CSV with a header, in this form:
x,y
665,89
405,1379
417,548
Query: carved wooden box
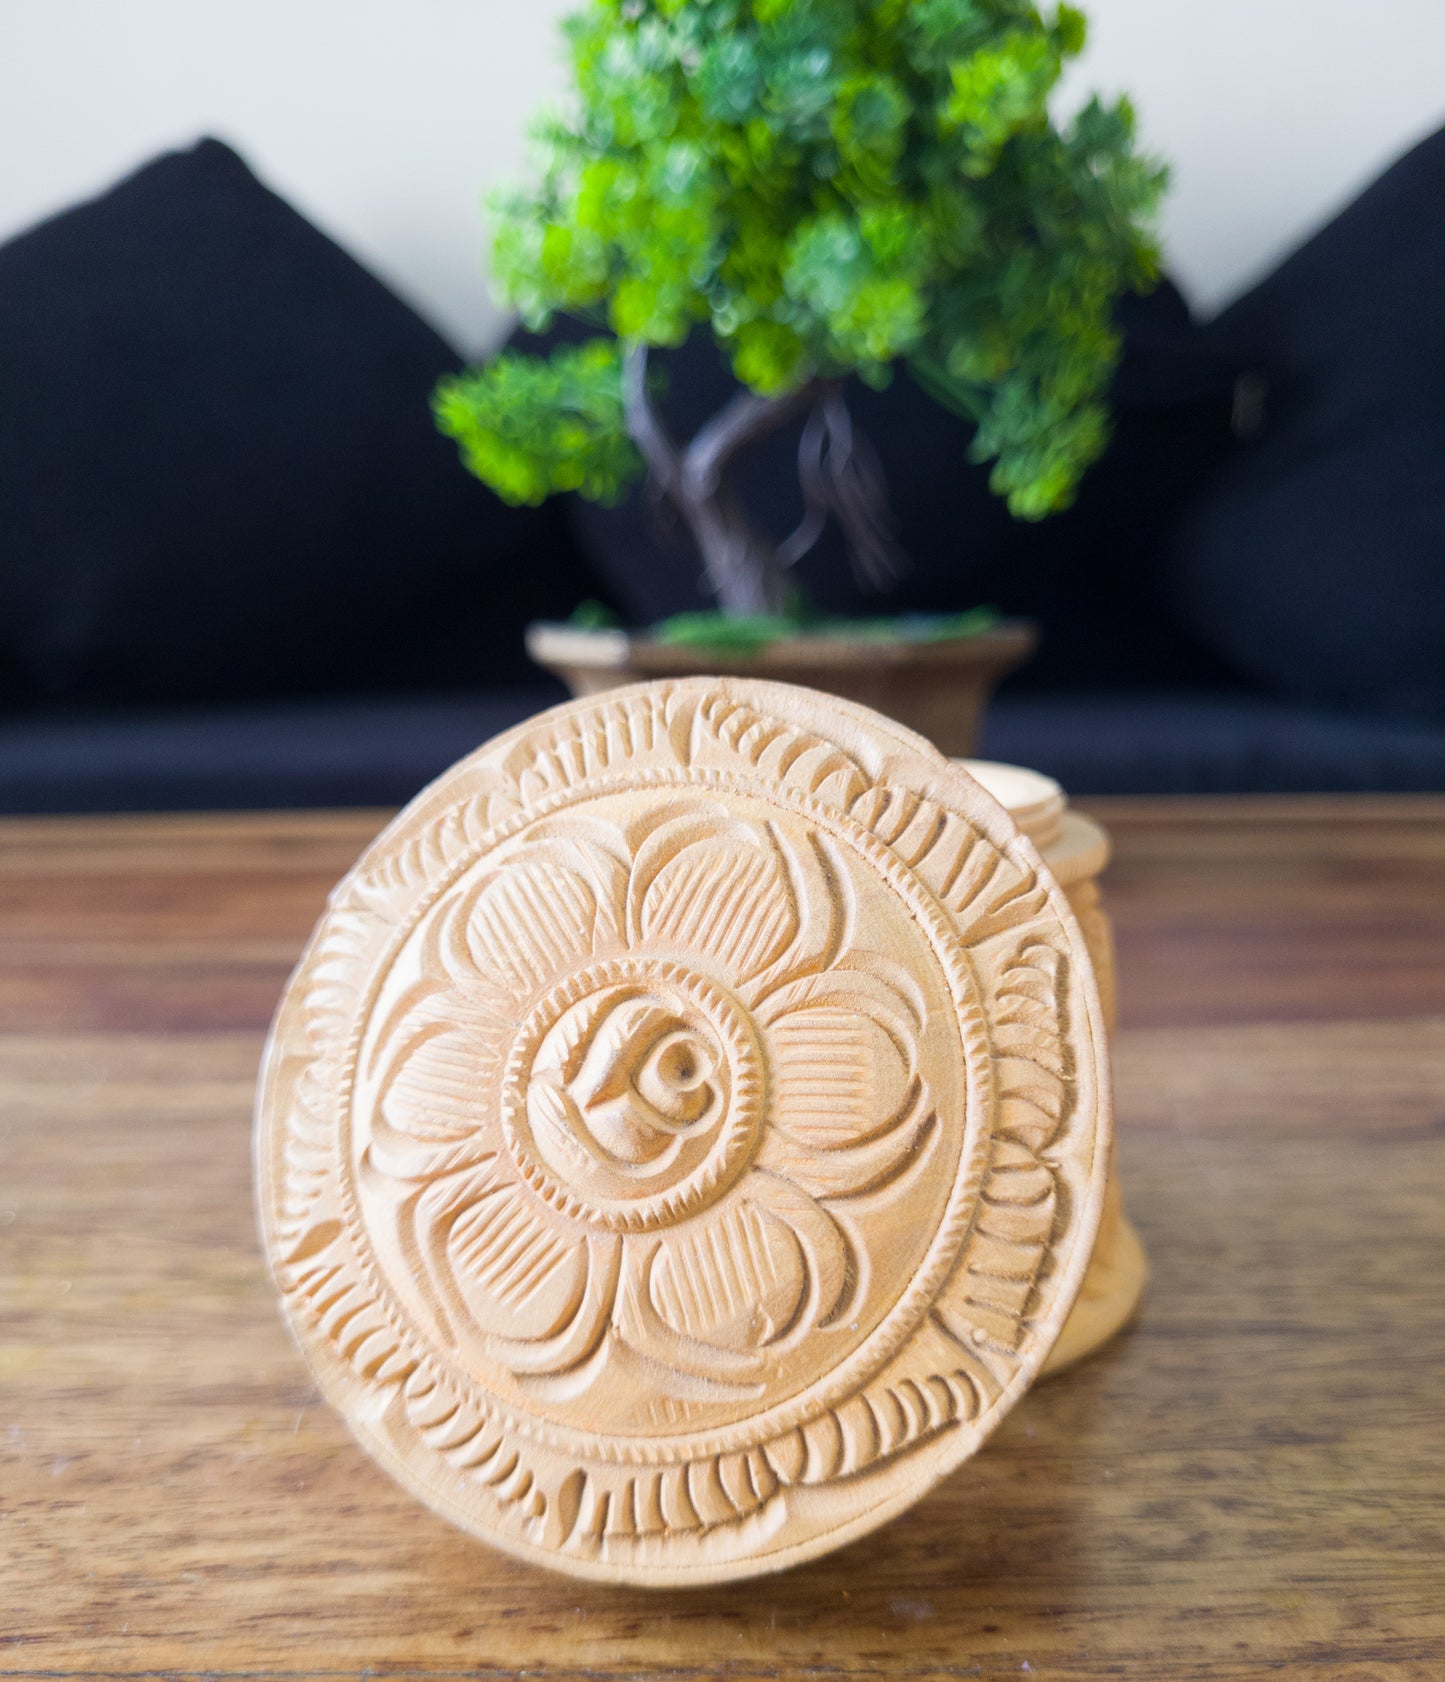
x,y
687,1131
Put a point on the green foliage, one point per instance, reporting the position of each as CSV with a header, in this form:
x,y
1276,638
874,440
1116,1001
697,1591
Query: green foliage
x,y
828,186
530,426
746,634
592,615
738,634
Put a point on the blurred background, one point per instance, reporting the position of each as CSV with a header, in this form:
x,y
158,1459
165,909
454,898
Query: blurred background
x,y
384,124
238,568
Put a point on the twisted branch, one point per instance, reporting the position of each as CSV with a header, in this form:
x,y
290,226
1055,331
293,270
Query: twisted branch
x,y
646,426
743,421
842,477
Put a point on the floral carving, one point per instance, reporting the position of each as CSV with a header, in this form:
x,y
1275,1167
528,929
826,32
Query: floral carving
x,y
685,1131
641,1071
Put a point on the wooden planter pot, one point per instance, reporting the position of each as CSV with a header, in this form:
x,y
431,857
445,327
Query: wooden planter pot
x,y
940,689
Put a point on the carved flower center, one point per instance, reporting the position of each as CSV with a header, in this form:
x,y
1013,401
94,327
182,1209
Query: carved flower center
x,y
633,1094
647,1079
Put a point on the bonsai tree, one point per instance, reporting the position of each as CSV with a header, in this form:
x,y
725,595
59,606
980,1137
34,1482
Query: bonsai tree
x,y
829,187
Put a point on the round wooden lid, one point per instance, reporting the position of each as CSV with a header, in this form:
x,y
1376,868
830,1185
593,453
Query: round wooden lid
x,y
685,1134
1074,847
1036,803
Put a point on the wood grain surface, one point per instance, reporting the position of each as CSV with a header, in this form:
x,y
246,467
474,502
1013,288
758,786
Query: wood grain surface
x,y
1249,1483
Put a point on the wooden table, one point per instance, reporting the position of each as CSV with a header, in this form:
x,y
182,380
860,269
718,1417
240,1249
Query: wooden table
x,y
1250,1483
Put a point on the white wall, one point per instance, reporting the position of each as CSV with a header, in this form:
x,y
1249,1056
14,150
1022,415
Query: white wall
x,y
1273,113
383,120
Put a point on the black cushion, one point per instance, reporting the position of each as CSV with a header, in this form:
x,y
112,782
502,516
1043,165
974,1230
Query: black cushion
x,y
1188,741
218,472
374,750
1090,575
379,750
1316,564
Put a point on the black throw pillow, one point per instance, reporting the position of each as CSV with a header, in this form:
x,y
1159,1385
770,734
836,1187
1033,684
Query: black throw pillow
x,y
1316,562
218,472
1090,576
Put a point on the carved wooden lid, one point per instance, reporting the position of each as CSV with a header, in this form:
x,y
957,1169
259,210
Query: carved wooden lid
x,y
686,1131
1072,845
1036,803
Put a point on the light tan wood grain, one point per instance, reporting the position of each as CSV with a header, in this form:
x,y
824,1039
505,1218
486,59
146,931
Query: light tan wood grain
x,y
686,1134
1251,1482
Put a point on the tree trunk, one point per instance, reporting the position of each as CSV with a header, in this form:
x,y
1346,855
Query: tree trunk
x,y
745,569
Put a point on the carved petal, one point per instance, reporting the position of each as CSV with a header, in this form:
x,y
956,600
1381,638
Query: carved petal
x,y
735,1280
852,1171
831,1272
640,1324
529,922
714,888
720,1298
499,1250
435,1106
500,1271
826,912
838,1077
842,1052
582,1325
866,982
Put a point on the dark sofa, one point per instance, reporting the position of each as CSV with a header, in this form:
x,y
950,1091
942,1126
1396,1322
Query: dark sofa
x,y
239,568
